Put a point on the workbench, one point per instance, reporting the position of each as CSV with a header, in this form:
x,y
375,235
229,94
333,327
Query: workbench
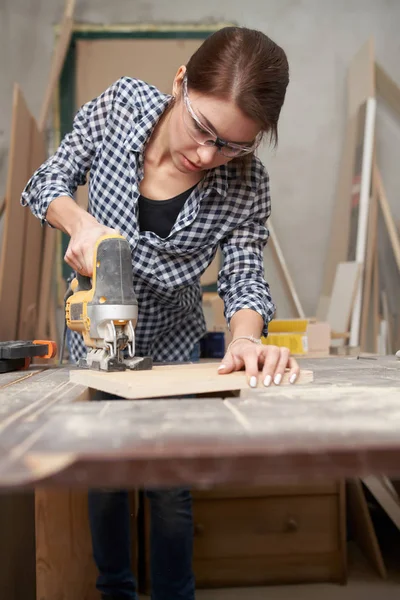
x,y
345,423
56,441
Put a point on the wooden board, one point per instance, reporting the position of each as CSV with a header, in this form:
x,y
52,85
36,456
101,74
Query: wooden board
x,y
360,86
362,221
15,217
366,340
389,221
387,89
32,255
384,496
342,299
363,528
164,381
375,301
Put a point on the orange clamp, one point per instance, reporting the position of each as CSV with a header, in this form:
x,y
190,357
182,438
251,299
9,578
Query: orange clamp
x,y
51,346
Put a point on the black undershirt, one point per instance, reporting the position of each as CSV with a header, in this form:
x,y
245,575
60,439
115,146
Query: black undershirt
x,y
159,216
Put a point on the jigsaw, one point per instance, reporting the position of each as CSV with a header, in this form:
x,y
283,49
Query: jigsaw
x,y
104,309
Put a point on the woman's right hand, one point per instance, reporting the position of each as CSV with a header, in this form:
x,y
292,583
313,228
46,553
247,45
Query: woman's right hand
x,y
79,254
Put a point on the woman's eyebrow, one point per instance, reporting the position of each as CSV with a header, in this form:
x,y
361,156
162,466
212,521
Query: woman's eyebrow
x,y
211,126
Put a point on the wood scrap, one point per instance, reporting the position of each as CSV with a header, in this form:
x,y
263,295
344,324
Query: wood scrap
x,y
175,380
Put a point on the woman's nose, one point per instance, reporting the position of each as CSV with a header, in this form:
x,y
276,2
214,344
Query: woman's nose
x,y
207,154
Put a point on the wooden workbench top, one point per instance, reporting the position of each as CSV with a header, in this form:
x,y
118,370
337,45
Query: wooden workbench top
x,y
345,423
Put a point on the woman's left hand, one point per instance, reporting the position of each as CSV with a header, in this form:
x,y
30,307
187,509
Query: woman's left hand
x,y
260,361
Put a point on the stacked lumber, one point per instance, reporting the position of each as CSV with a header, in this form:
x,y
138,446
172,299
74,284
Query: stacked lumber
x,y
27,294
361,286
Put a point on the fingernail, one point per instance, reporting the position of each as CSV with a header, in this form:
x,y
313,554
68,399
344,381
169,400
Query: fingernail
x,y
267,380
221,367
253,381
278,379
293,378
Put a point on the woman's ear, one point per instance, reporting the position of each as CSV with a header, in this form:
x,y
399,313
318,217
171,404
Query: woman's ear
x,y
176,86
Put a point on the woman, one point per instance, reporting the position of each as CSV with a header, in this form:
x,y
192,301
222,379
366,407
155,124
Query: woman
x,y
177,176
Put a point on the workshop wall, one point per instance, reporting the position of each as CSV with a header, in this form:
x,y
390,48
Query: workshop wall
x,y
320,38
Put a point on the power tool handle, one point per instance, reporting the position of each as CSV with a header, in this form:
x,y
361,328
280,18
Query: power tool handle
x,y
84,283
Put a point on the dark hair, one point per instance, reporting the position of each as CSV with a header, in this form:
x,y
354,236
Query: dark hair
x,y
244,65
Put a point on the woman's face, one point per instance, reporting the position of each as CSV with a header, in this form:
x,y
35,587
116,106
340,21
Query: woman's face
x,y
220,116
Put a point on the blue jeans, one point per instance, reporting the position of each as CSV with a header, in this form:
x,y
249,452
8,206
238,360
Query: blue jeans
x,y
171,542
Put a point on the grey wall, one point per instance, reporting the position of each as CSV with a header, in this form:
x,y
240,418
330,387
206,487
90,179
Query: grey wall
x,y
320,38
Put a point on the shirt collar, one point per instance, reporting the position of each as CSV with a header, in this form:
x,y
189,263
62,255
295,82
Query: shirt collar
x,y
148,115
217,179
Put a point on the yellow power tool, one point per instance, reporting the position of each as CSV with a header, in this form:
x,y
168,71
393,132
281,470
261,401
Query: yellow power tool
x,y
104,309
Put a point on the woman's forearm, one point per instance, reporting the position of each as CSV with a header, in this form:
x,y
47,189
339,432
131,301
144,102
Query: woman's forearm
x,y
246,322
64,213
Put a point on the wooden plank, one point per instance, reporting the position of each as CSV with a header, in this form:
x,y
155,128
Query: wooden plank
x,y
365,193
32,256
57,61
375,300
383,495
389,323
15,216
342,299
387,89
388,217
284,272
365,343
362,526
361,82
164,381
360,86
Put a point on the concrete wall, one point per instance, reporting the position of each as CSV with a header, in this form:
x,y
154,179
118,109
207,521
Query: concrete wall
x,y
320,38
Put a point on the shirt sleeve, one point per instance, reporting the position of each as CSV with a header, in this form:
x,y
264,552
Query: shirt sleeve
x,y
241,282
61,174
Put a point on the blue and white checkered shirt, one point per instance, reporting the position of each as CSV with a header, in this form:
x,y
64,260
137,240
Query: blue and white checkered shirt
x,y
229,208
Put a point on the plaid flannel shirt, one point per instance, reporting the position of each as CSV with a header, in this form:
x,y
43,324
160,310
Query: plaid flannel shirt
x,y
229,208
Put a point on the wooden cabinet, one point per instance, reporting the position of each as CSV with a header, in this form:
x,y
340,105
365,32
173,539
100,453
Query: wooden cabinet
x,y
280,534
